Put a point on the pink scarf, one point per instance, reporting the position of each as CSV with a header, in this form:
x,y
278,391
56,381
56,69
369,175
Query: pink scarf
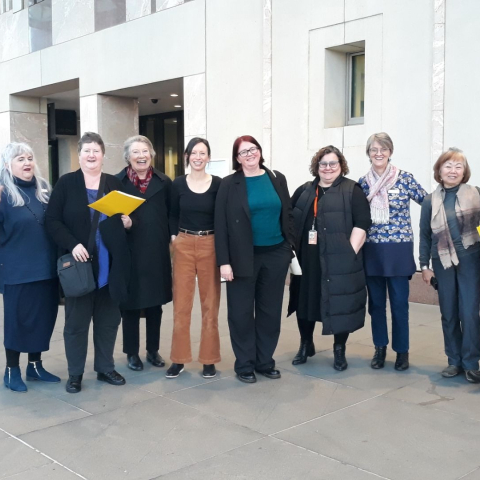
x,y
378,196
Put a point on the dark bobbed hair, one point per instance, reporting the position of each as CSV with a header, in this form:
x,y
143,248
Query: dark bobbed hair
x,y
192,144
325,151
236,165
452,154
91,137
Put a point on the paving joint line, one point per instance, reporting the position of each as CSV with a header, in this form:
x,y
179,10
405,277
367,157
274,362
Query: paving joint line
x,y
333,459
56,462
325,415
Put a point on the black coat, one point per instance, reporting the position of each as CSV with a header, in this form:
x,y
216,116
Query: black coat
x,y
68,223
149,239
342,290
233,229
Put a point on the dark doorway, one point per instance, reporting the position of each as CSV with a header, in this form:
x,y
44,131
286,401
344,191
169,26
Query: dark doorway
x,y
53,162
165,131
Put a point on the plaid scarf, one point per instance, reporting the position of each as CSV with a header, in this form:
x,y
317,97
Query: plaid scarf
x,y
467,210
140,183
378,196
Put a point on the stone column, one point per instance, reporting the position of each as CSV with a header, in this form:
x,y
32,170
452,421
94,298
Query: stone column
x,y
267,82
26,121
115,119
195,111
438,83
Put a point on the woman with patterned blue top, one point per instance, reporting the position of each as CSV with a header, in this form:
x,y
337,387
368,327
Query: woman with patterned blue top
x,y
388,250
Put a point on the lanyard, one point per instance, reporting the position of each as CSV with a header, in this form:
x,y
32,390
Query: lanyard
x,y
315,205
315,208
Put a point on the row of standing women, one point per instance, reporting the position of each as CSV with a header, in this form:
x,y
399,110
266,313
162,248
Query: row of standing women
x,y
349,238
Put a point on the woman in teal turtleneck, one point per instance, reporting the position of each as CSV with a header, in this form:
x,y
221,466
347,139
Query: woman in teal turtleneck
x,y
253,244
28,277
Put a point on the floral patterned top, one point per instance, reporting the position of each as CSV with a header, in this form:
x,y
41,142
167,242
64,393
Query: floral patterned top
x,y
399,228
388,249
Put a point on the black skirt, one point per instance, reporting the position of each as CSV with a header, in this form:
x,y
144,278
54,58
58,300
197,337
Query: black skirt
x,y
30,314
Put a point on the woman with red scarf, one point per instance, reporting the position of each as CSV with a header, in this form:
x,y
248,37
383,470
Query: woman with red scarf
x,y
151,280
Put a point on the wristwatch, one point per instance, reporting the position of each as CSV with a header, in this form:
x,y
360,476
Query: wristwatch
x,y
425,267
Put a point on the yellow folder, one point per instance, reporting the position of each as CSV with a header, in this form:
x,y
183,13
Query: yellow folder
x,y
478,230
117,202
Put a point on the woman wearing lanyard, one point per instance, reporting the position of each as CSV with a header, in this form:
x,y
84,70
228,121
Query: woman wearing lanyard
x,y
191,227
331,216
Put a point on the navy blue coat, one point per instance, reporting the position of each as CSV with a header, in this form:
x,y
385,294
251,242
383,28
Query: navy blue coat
x,y
26,252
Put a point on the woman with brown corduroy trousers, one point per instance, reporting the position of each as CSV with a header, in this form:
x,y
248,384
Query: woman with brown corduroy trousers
x,y
192,230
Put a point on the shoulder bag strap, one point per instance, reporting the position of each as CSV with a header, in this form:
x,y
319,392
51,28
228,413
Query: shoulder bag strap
x,y
96,216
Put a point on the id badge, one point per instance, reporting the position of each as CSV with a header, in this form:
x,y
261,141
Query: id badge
x,y
312,237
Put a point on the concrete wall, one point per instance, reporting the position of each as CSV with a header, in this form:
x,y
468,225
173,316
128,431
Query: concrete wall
x,y
234,75
462,93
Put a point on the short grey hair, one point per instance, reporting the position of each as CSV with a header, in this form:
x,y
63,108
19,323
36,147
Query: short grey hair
x,y
137,138
14,194
382,138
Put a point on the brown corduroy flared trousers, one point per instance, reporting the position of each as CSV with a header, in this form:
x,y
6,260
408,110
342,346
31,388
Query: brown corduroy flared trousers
x,y
194,256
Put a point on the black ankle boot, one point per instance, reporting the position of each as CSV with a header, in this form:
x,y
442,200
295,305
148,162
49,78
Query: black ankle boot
x,y
307,349
340,362
401,363
378,360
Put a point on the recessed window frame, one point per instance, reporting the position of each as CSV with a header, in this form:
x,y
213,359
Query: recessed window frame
x,y
349,119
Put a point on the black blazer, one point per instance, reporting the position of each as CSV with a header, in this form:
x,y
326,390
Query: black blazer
x,y
149,240
67,218
233,229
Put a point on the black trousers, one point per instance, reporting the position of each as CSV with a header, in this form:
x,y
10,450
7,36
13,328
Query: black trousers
x,y
99,306
306,329
13,357
255,310
131,329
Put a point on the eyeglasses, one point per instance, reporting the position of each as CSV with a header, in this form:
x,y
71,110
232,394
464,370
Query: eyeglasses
x,y
250,151
378,150
323,165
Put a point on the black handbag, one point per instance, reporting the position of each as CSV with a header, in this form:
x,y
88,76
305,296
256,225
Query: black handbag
x,y
76,278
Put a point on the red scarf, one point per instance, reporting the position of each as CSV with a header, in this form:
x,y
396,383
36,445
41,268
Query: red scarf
x,y
141,184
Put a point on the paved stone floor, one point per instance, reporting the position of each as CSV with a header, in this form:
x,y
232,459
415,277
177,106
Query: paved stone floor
x,y
314,423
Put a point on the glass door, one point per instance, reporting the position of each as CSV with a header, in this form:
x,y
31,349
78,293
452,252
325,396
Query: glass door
x,y
165,131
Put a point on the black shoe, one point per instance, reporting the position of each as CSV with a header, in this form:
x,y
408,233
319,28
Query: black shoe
x,y
113,378
209,371
472,376
378,360
134,362
451,371
307,349
339,360
401,363
74,383
248,377
175,370
270,373
155,359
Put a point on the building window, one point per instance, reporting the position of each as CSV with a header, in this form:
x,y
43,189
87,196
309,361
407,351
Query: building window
x,y
109,13
356,88
40,24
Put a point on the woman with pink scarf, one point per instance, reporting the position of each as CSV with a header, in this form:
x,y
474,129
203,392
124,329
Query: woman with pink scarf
x,y
388,250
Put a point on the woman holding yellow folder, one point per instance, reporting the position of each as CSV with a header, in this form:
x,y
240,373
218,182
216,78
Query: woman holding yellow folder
x,y
73,226
151,279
